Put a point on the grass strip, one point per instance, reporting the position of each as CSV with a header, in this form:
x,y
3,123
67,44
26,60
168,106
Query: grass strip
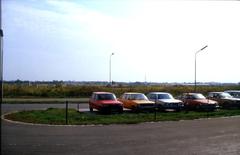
x,y
57,116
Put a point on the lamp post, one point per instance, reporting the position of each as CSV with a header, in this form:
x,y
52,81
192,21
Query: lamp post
x,y
110,69
1,58
195,85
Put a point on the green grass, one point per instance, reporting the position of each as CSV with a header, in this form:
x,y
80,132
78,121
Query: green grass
x,y
57,116
44,100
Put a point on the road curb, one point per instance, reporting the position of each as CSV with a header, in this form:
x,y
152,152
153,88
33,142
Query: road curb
x,y
36,124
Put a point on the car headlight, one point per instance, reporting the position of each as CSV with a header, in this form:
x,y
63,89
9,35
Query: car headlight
x,y
166,104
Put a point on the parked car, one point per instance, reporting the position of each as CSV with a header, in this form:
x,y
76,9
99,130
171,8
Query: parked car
x,y
224,99
136,101
165,101
234,93
196,101
105,102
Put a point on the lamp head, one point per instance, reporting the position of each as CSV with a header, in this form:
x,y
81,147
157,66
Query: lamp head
x,y
204,47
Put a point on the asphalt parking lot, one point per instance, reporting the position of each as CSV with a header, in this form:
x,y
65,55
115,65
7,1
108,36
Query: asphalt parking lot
x,y
218,136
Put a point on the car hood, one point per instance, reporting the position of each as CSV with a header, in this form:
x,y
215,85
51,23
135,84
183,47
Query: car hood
x,y
205,101
109,102
169,101
143,102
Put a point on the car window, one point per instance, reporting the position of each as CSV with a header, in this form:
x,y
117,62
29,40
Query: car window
x,y
138,97
188,97
165,96
152,96
210,95
126,97
93,95
198,96
235,94
225,95
106,97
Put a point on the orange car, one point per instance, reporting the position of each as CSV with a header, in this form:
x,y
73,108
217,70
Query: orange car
x,y
136,101
198,102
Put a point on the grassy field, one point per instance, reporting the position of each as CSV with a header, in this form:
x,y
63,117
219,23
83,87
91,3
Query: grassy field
x,y
23,91
45,100
13,93
57,116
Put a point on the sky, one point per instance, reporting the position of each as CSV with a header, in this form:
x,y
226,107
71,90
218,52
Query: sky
x,y
153,41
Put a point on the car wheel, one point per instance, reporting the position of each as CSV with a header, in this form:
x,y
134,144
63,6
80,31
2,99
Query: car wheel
x,y
178,110
160,108
225,105
135,109
186,108
120,111
199,108
91,109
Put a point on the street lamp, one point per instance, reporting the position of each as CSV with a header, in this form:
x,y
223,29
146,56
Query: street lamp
x,y
1,58
110,69
195,85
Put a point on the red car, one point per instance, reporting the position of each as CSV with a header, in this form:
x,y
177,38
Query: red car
x,y
105,102
196,101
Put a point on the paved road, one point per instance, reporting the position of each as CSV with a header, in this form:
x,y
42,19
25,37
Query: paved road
x,y
220,136
16,107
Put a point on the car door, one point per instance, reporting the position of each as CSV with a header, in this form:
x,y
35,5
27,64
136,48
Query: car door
x,y
217,97
123,100
188,101
128,101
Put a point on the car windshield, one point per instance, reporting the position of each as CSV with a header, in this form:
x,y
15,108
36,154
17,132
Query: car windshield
x,y
106,97
198,96
138,97
225,95
165,96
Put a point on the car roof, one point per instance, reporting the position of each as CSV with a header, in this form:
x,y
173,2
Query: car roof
x,y
159,93
132,93
232,91
191,93
102,93
217,92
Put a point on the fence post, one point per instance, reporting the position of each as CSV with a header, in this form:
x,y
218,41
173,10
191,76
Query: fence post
x,y
66,113
155,108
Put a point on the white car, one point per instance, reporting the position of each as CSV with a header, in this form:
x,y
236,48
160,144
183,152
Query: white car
x,y
165,101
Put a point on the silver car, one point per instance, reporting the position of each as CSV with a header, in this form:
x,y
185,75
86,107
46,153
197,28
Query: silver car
x,y
165,101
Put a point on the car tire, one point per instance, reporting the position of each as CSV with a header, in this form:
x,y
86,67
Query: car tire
x,y
199,108
226,105
135,109
91,109
120,111
160,108
178,110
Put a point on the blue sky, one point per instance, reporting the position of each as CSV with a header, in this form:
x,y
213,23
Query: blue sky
x,y
73,40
